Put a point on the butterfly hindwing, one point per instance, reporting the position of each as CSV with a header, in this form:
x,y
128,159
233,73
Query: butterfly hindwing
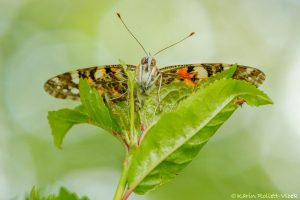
x,y
107,79
193,73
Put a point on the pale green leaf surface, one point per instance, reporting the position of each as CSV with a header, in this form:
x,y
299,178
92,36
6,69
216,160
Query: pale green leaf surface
x,y
178,136
170,96
119,116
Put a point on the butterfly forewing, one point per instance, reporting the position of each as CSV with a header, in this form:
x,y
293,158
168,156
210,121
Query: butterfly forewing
x,y
107,79
193,73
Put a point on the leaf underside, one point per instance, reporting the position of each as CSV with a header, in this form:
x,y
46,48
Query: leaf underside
x,y
61,121
92,111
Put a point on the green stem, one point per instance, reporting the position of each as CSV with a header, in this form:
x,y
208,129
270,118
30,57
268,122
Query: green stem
x,y
131,106
119,195
127,194
123,180
131,87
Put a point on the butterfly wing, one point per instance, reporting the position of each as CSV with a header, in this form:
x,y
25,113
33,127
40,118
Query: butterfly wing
x,y
110,80
193,73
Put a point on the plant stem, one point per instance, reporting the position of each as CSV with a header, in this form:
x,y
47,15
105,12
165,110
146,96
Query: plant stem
x,y
131,106
131,137
127,194
123,180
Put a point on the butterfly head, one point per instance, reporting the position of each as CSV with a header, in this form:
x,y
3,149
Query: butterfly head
x,y
148,61
147,73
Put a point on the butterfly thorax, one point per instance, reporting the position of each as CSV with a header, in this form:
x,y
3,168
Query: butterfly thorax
x,y
147,74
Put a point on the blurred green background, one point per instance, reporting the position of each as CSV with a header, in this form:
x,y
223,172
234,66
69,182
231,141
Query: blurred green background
x,y
256,151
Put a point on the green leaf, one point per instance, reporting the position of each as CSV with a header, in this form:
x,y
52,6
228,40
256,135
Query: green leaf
x,y
61,122
94,105
34,194
119,112
64,194
92,111
177,137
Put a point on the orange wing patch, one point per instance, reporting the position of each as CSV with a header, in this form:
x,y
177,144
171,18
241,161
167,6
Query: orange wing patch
x,y
183,73
189,82
187,76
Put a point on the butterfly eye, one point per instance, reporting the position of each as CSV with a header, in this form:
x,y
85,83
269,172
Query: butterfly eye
x,y
153,62
144,60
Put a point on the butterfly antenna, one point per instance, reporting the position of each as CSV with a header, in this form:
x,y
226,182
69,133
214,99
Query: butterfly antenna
x,y
191,34
118,14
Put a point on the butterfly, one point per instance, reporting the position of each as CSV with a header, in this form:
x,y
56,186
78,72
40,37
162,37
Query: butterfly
x,y
111,80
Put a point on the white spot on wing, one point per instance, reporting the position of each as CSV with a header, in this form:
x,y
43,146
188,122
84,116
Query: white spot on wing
x,y
55,79
201,72
74,91
98,74
75,77
226,66
249,70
